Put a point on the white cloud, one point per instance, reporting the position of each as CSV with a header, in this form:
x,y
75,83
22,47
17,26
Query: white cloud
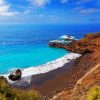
x,y
83,10
1,2
26,12
5,9
64,1
39,3
89,11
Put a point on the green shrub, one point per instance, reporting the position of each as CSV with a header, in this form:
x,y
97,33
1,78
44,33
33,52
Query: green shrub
x,y
8,93
94,93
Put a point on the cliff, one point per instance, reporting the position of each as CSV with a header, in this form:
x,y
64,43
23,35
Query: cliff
x,y
90,43
86,88
86,69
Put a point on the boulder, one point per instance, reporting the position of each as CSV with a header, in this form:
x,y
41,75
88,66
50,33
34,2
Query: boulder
x,y
16,75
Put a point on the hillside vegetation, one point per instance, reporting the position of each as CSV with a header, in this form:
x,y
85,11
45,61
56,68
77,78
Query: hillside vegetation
x,y
86,88
8,93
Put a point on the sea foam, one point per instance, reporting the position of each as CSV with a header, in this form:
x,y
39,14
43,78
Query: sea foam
x,y
28,72
60,62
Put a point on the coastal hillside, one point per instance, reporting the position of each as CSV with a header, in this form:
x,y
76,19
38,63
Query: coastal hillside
x,y
49,49
9,93
86,69
77,80
86,88
89,44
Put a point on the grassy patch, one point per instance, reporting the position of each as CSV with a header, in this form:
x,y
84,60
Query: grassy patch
x,y
94,93
8,93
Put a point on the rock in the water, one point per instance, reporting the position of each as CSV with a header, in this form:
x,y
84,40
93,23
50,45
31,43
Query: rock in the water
x,y
16,75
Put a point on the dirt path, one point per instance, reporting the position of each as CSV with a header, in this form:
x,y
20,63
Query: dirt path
x,y
89,72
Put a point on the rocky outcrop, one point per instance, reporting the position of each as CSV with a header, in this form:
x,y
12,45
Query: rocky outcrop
x,y
89,47
86,88
90,43
16,75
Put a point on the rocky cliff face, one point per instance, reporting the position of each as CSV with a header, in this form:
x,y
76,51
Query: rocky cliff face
x,y
89,47
86,88
90,43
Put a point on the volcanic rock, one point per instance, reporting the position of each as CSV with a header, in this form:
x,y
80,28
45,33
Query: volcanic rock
x,y
16,75
89,44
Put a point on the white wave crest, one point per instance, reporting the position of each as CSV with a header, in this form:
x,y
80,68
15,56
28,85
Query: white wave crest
x,y
60,62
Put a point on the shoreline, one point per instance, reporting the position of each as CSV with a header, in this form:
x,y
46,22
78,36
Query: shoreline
x,y
27,73
49,66
52,65
66,71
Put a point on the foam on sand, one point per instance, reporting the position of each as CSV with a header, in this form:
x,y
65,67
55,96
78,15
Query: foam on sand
x,y
60,62
27,73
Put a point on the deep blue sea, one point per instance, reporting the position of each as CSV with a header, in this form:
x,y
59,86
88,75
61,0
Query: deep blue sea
x,y
23,46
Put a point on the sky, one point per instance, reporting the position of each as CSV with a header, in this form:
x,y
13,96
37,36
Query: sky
x,y
50,11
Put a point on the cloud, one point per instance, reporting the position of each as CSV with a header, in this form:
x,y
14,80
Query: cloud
x,y
39,3
89,11
53,17
26,12
84,10
64,1
5,9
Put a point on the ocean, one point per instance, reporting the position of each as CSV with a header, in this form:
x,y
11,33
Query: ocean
x,y
23,46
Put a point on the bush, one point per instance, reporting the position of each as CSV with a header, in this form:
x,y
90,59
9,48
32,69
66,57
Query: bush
x,y
8,93
94,93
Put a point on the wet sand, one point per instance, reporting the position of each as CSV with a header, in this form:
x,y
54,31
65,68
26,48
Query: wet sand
x,y
53,81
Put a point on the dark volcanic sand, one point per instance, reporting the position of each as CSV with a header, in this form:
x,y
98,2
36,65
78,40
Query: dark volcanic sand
x,y
63,78
53,81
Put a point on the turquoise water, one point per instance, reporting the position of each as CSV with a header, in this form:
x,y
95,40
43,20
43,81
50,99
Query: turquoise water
x,y
28,57
23,46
